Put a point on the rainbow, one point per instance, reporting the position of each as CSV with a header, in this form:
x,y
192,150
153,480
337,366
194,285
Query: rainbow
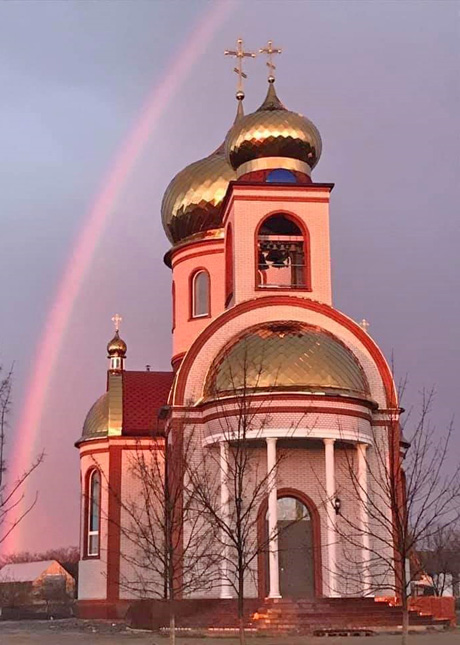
x,y
24,446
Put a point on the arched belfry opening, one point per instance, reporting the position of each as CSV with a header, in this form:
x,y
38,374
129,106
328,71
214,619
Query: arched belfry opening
x,y
282,254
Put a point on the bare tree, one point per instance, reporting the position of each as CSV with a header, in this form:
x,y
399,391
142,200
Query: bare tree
x,y
64,555
162,561
231,482
13,507
439,557
412,497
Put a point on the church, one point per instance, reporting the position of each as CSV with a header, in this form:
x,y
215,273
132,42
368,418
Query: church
x,y
253,316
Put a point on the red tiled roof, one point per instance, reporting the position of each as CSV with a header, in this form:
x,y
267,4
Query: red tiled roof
x,y
144,393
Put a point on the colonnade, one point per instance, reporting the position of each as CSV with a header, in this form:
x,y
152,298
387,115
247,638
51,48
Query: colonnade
x,y
332,582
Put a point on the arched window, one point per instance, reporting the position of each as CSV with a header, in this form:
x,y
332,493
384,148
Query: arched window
x,y
200,294
281,254
93,513
228,265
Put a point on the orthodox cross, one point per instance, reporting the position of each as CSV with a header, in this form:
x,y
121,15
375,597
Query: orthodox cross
x,y
270,51
239,54
116,321
364,325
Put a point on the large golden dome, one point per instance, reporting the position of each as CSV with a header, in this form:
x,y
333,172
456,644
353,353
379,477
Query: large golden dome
x,y
191,203
273,131
287,356
97,420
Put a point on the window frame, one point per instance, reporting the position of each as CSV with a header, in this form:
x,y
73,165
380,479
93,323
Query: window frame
x,y
192,289
295,219
89,554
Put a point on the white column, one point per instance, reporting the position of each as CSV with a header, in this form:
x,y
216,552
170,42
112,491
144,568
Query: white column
x,y
224,581
330,519
273,521
364,513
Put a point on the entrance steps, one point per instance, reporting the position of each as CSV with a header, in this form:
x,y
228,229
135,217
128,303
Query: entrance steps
x,y
330,614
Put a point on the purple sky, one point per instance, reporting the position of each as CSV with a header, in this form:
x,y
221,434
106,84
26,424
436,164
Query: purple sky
x,y
379,79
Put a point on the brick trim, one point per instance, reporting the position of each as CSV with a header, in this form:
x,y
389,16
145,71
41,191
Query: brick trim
x,y
198,254
222,414
230,194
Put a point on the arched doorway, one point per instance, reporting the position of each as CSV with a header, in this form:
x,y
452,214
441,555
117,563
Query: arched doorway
x,y
299,547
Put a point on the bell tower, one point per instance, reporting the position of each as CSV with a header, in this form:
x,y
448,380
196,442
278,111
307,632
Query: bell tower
x,y
275,216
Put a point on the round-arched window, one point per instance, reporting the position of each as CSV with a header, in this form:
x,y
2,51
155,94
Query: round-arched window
x,y
281,253
200,294
291,509
94,512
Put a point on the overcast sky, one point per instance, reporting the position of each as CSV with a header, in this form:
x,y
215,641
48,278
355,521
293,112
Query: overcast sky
x,y
379,79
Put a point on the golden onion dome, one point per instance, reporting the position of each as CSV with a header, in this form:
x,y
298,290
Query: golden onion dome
x,y
287,356
273,131
191,203
117,346
97,420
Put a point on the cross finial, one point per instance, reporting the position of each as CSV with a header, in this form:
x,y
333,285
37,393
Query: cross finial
x,y
239,54
269,50
116,321
364,325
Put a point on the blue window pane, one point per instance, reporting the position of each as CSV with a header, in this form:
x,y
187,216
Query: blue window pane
x,y
282,176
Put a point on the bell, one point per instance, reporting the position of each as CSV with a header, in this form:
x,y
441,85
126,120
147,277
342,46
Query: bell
x,y
263,266
276,258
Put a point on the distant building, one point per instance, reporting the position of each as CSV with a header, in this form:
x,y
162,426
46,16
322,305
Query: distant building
x,y
26,582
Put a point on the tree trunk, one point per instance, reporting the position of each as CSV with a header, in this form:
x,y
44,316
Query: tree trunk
x,y
405,625
172,626
241,630
241,607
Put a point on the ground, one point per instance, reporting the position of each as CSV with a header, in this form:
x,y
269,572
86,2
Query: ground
x,y
73,632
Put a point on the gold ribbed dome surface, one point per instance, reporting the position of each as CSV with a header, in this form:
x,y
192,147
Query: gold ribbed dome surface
x,y
286,356
97,419
191,203
273,131
117,346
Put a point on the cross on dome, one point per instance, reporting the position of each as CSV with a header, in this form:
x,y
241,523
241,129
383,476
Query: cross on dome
x,y
364,324
117,319
239,54
270,51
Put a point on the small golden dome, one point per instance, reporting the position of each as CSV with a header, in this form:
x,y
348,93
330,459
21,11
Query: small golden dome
x,y
117,346
273,131
192,201
287,356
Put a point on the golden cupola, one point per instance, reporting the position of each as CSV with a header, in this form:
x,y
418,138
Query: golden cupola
x,y
116,349
273,137
192,201
117,346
